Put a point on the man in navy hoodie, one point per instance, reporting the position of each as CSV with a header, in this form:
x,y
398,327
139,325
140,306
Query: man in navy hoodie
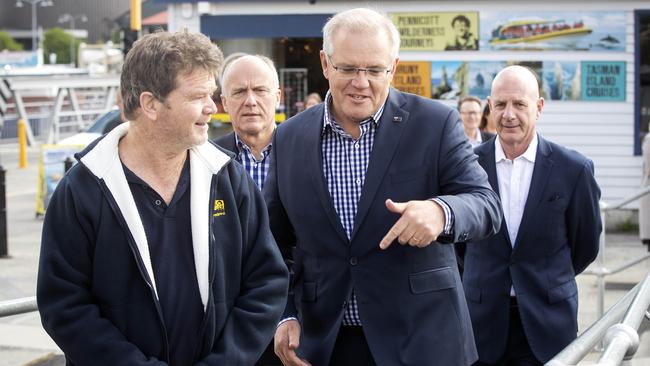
x,y
156,248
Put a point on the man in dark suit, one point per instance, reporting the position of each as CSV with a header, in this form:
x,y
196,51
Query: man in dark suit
x,y
353,178
251,93
520,284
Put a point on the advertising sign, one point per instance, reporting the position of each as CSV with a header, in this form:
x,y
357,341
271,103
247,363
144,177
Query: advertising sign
x,y
548,30
437,31
448,79
413,77
561,80
51,170
603,81
18,59
480,75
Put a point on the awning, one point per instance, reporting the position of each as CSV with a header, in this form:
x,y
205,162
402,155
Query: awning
x,y
263,26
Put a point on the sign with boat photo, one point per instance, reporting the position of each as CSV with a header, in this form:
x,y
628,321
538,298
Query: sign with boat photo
x,y
561,80
565,31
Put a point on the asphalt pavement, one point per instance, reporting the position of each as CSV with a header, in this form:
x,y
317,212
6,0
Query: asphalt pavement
x,y
23,341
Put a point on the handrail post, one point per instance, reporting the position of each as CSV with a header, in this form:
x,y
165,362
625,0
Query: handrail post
x,y
600,260
4,251
22,144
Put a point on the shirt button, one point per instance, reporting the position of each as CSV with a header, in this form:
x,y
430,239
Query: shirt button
x,y
356,145
345,304
358,181
353,261
158,202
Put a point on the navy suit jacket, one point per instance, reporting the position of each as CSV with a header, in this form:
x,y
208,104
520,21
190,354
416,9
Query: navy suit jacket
x,y
557,239
228,142
410,299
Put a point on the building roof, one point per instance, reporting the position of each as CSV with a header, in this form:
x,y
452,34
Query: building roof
x,y
156,19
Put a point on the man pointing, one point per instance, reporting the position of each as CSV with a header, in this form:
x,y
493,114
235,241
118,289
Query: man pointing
x,y
353,178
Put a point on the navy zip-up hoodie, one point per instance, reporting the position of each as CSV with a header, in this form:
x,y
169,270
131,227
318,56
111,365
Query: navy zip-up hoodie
x,y
96,288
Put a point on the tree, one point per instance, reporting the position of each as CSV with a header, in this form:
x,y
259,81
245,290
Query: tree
x,y
57,41
8,43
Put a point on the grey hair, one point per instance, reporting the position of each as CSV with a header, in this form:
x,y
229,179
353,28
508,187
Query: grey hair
x,y
229,64
360,20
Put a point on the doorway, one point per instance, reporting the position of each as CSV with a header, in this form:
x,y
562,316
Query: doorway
x,y
304,53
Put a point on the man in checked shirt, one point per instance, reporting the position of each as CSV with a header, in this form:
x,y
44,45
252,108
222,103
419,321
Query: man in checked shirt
x,y
251,93
371,187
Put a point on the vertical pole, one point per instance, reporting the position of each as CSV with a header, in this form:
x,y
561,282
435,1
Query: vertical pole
x,y
22,144
72,48
136,15
602,271
601,263
136,20
34,35
4,251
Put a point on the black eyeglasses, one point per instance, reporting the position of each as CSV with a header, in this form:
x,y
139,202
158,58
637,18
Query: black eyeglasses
x,y
350,72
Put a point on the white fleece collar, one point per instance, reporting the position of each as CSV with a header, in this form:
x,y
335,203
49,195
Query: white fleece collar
x,y
205,161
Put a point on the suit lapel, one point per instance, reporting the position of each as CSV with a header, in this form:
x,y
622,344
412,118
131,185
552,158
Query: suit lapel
x,y
233,143
312,130
387,137
541,172
487,160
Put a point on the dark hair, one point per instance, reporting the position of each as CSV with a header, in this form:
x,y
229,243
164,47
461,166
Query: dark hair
x,y
156,60
460,18
484,118
469,98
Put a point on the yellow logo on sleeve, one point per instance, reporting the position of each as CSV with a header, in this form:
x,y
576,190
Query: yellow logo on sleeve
x,y
219,208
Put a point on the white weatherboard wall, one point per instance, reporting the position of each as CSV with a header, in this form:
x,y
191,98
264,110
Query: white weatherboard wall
x,y
603,131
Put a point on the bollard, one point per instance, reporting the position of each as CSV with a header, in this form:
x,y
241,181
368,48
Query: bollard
x,y
67,164
4,252
22,144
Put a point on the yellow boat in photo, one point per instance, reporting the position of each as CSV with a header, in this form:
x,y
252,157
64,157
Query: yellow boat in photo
x,y
537,30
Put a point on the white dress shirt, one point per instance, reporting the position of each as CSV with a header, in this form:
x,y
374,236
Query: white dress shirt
x,y
514,177
478,140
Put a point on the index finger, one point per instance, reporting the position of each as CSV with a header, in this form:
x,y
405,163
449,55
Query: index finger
x,y
392,234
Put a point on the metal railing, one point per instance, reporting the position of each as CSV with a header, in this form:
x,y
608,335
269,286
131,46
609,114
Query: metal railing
x,y
84,97
618,328
621,337
601,271
18,306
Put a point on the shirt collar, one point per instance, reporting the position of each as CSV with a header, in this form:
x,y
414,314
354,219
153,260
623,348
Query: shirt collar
x,y
241,145
328,119
529,154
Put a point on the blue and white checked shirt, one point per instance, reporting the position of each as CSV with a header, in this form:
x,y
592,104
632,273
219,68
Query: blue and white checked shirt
x,y
345,162
257,169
